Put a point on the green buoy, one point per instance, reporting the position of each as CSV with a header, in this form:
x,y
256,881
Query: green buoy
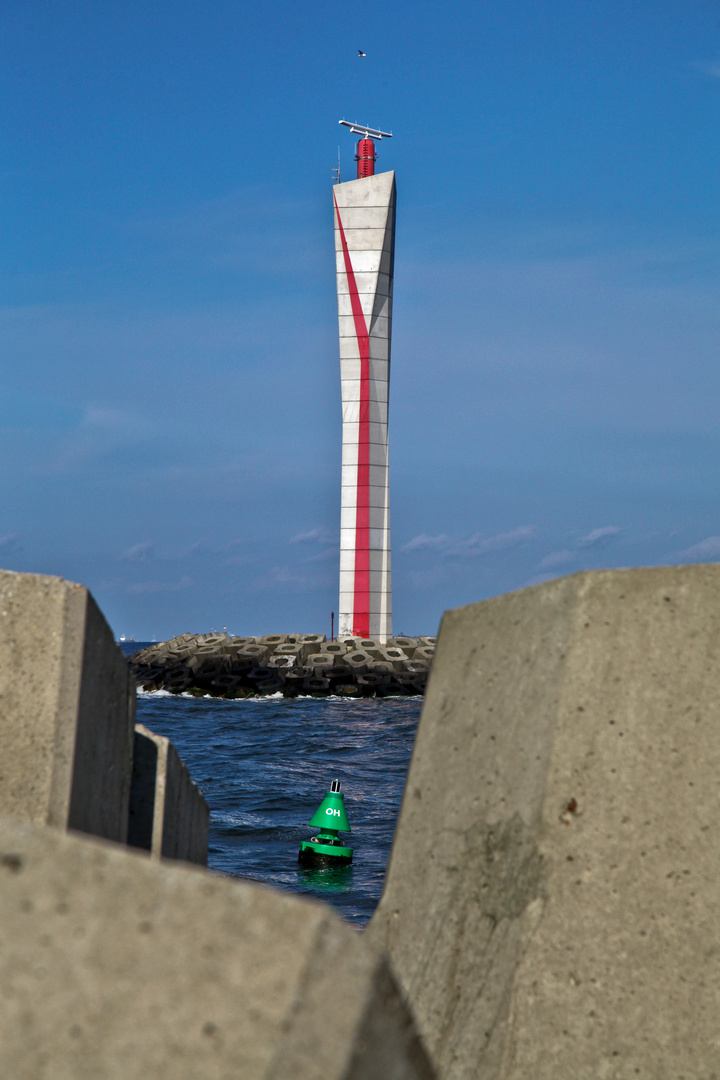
x,y
325,849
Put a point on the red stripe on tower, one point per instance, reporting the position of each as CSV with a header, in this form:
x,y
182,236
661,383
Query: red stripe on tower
x,y
361,599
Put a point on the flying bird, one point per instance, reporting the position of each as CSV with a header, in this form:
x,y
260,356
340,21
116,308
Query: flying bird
x,y
361,53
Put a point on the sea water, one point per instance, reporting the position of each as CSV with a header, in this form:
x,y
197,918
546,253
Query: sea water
x,y
264,765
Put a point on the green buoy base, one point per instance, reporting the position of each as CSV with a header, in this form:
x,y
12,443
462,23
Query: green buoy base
x,y
314,853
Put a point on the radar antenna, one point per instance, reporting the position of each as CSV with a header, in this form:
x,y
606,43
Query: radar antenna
x,y
365,156
367,132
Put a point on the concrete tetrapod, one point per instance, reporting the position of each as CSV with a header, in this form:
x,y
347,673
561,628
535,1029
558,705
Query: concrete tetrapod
x,y
67,709
116,966
551,905
294,663
168,813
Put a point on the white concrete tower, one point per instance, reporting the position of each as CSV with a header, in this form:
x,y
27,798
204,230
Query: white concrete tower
x,y
364,249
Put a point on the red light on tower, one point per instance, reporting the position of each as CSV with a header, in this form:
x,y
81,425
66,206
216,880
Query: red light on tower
x,y
366,158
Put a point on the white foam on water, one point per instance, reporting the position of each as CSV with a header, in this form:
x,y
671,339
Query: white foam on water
x,y
264,697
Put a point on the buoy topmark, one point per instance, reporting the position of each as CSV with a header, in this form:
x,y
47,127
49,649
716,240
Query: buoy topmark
x,y
325,849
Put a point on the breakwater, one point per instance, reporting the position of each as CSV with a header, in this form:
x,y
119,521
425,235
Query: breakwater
x,y
550,907
289,664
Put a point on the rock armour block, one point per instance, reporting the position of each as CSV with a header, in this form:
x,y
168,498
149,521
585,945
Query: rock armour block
x,y
168,813
67,709
550,906
119,967
281,663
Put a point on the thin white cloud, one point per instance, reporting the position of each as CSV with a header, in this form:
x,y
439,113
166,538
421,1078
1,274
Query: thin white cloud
x,y
423,542
99,432
140,588
600,537
198,549
299,580
11,542
707,550
97,416
139,552
478,544
431,578
709,68
597,538
249,229
557,558
314,536
326,555
287,578
540,579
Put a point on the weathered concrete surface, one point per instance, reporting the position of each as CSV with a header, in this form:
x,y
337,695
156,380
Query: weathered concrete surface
x,y
116,966
67,709
168,813
551,906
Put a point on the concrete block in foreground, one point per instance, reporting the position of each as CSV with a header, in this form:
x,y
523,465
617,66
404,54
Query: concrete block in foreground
x,y
168,813
116,966
67,709
551,906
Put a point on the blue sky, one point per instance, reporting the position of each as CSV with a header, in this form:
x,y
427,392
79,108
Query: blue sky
x,y
170,408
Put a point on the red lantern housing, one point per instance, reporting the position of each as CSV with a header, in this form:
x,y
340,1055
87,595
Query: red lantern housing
x,y
366,158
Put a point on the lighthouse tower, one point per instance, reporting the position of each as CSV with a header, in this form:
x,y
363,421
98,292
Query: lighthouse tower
x,y
364,249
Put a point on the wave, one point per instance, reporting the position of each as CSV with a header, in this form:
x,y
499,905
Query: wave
x,y
349,698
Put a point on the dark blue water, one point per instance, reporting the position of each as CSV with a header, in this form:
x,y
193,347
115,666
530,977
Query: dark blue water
x,y
264,766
